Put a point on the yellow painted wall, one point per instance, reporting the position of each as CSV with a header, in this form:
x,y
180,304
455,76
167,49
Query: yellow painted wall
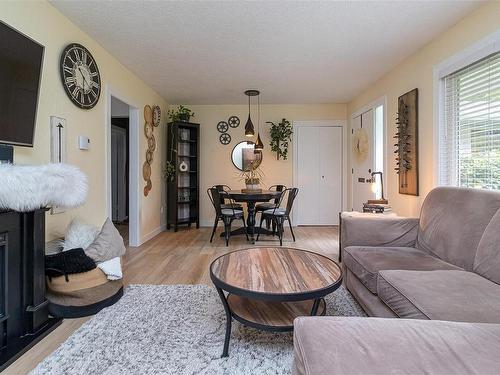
x,y
43,23
216,165
417,72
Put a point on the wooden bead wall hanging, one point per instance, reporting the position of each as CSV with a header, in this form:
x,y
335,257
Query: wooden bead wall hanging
x,y
152,117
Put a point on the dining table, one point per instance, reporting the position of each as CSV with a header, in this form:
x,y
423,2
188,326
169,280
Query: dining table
x,y
251,199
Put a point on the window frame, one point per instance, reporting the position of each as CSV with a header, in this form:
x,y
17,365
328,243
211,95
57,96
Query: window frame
x,y
470,55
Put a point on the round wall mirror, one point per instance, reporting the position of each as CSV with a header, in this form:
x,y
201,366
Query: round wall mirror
x,y
243,154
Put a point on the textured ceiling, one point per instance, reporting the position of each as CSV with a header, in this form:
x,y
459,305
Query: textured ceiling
x,y
294,52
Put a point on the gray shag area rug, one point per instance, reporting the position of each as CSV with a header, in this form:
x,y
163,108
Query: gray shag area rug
x,y
176,329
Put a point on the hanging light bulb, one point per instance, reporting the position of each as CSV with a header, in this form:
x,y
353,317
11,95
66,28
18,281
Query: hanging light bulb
x,y
259,146
249,129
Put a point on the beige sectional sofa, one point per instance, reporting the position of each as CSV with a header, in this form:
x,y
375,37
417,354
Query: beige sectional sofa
x,y
442,266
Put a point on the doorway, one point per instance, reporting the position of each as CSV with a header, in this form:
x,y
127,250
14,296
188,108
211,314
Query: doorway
x,y
318,155
367,153
122,176
120,166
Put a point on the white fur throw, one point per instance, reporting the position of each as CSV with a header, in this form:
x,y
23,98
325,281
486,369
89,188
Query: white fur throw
x,y
79,235
28,187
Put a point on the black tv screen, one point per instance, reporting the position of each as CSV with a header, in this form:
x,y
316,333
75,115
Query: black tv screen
x,y
20,70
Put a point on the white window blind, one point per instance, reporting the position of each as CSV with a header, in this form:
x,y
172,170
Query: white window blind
x,y
470,137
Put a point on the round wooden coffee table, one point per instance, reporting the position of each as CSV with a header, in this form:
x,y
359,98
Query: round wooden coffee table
x,y
268,287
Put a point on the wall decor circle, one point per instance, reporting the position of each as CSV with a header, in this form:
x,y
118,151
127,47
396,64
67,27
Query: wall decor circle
x,y
151,143
156,116
222,127
80,76
152,116
183,167
225,138
146,171
148,129
233,121
149,157
148,114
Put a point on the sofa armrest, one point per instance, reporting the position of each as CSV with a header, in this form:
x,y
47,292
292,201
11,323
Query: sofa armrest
x,y
377,230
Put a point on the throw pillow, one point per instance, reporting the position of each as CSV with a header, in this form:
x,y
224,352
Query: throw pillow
x,y
107,245
79,235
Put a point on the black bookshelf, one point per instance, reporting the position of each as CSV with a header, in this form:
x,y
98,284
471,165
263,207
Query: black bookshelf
x,y
183,145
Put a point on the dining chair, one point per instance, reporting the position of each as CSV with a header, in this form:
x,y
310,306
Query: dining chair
x,y
261,207
279,214
227,215
234,205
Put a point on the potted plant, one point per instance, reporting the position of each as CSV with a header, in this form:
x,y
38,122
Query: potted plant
x,y
252,177
169,171
182,113
281,135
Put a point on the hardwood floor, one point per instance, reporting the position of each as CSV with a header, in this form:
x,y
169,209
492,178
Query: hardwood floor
x,y
178,258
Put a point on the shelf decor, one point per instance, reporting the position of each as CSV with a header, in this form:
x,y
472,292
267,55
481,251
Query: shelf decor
x,y
407,143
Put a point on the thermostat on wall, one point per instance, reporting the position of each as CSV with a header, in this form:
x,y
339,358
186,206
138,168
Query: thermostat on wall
x,y
83,142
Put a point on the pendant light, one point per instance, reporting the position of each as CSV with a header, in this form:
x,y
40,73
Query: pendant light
x,y
249,129
259,146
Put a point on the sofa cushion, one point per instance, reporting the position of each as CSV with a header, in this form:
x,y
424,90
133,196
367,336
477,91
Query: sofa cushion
x,y
365,262
348,346
453,221
487,260
440,295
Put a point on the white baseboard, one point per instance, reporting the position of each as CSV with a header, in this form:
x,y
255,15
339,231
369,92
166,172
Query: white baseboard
x,y
153,233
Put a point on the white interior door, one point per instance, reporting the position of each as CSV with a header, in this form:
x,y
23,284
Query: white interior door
x,y
330,184
362,156
319,174
308,175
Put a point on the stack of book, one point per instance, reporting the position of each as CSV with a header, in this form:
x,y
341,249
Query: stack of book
x,y
376,208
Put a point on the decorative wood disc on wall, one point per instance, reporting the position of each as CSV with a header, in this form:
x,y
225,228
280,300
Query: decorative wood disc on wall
x,y
146,171
233,121
152,117
225,139
148,114
222,127
152,143
149,157
148,129
156,116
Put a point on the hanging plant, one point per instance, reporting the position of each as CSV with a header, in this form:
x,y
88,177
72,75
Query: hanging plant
x,y
281,135
169,171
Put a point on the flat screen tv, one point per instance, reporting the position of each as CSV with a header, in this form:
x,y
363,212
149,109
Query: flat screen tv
x,y
20,70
